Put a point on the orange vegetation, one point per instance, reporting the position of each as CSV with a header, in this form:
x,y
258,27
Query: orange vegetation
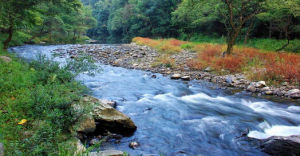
x,y
257,64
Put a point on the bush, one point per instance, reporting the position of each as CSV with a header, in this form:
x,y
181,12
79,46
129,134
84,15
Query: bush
x,y
36,106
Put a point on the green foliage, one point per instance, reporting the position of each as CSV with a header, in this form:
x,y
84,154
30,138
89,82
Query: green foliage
x,y
42,94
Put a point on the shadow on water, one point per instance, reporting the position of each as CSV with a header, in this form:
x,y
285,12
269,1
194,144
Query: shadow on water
x,y
184,118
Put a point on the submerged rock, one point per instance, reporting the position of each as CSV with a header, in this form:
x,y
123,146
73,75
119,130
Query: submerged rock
x,y
134,144
282,146
107,153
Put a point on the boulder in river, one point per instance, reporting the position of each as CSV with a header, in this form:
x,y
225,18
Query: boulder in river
x,y
282,146
86,124
111,119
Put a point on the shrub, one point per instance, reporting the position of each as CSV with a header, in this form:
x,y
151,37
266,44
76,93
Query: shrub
x,y
39,94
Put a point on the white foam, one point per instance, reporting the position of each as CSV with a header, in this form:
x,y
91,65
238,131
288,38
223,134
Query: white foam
x,y
266,107
295,109
200,96
277,130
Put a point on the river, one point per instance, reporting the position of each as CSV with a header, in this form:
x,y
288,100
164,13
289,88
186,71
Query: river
x,y
183,118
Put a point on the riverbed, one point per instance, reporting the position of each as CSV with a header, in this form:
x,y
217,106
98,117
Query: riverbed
x,y
177,117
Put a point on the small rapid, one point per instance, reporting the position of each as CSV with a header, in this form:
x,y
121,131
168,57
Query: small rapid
x,y
183,118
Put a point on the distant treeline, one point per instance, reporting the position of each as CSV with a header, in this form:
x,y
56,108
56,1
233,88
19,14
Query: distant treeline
x,y
121,20
51,21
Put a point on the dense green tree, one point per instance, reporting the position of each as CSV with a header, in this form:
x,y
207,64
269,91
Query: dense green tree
x,y
283,16
56,20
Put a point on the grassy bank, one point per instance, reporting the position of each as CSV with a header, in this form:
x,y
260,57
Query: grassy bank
x,y
36,106
257,64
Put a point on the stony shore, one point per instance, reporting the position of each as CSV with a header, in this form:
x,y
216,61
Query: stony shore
x,y
133,56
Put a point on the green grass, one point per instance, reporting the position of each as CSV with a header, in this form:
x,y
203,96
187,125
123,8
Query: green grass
x,y
260,43
42,94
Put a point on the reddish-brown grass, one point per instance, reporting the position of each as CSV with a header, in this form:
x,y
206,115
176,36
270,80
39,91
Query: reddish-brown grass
x,y
254,62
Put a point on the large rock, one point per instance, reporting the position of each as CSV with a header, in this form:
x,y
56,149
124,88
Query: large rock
x,y
1,149
5,59
110,118
86,124
107,153
282,146
294,93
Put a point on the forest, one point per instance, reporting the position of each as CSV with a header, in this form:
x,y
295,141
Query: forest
x,y
121,20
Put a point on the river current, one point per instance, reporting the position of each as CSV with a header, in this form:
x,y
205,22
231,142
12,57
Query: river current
x,y
183,118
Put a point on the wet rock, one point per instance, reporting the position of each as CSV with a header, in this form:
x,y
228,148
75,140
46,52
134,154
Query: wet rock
x,y
176,76
5,59
294,93
111,119
154,76
1,149
134,145
107,153
260,84
186,78
282,146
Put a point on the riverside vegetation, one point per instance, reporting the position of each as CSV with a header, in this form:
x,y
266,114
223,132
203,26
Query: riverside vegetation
x,y
36,106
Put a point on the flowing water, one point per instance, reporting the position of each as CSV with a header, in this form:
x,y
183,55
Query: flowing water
x,y
184,118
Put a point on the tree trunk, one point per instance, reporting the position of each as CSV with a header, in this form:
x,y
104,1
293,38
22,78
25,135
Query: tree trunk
x,y
232,38
248,32
270,29
9,38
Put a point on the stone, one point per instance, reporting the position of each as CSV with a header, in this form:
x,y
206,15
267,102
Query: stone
x,y
77,146
208,69
111,119
281,146
1,149
186,78
265,89
107,153
251,88
260,84
5,59
86,124
176,76
269,92
134,144
294,93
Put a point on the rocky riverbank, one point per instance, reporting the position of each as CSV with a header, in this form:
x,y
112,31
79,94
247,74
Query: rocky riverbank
x,y
133,56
